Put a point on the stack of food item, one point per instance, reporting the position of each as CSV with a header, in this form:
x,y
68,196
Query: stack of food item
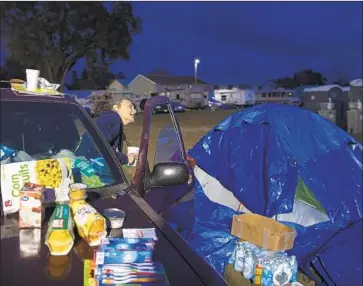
x,y
90,224
117,261
260,255
56,173
125,261
59,238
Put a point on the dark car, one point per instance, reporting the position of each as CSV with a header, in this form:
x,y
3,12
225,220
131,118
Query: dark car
x,y
43,126
163,108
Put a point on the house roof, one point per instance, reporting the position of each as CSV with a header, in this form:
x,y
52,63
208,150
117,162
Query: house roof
x,y
166,79
346,88
299,91
321,88
230,86
79,93
357,82
123,81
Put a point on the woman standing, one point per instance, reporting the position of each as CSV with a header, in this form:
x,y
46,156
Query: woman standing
x,y
112,123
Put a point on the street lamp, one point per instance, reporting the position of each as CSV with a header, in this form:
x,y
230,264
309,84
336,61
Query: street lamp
x,y
196,62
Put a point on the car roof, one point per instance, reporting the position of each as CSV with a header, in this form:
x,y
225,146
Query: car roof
x,y
8,94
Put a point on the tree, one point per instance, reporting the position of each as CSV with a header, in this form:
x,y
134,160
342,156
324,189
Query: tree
x,y
309,77
304,77
12,69
285,82
93,77
342,81
53,36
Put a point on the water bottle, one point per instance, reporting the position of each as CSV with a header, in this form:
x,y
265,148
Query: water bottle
x,y
249,265
239,259
294,268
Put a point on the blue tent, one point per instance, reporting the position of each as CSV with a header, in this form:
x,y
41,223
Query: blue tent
x,y
289,164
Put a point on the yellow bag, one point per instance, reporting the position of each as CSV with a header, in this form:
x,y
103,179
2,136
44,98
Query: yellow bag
x,y
60,236
90,224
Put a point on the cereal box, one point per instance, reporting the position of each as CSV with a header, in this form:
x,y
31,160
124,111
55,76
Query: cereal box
x,y
31,212
49,173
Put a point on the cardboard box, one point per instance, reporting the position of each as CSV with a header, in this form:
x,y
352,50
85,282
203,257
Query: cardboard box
x,y
263,232
31,212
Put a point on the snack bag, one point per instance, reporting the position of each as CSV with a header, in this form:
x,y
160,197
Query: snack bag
x,y
60,236
91,225
31,212
6,152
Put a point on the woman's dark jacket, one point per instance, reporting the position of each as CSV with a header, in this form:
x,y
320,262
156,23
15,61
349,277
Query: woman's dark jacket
x,y
111,126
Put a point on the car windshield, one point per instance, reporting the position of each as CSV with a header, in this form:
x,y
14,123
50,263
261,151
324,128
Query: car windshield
x,y
58,144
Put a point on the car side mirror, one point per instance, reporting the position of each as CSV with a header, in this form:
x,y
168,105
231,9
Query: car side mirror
x,y
168,174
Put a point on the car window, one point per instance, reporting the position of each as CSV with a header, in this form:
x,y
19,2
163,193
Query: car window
x,y
42,131
164,143
167,146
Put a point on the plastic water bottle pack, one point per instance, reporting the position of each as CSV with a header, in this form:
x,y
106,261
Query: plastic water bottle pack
x,y
264,267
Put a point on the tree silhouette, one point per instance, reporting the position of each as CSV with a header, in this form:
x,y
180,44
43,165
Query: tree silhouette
x,y
304,77
12,69
53,36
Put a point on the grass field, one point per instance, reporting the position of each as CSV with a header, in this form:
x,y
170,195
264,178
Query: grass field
x,y
194,124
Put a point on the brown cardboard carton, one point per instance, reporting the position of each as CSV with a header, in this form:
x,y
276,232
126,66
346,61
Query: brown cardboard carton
x,y
31,212
263,232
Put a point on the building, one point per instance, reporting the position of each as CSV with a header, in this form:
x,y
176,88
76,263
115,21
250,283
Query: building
x,y
232,86
316,97
181,88
235,96
118,85
356,90
273,95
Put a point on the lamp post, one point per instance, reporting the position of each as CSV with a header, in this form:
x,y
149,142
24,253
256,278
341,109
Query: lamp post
x,y
196,62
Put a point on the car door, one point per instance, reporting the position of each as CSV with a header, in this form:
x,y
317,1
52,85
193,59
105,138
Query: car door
x,y
161,141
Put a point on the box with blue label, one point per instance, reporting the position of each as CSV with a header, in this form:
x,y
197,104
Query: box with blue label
x,y
111,256
147,274
127,243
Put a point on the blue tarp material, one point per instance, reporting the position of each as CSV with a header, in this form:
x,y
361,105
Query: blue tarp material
x,y
259,154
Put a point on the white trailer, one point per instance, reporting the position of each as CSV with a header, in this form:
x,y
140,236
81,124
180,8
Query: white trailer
x,y
236,96
191,98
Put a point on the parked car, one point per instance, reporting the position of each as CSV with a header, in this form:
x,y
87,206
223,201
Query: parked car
x,y
176,106
42,126
295,101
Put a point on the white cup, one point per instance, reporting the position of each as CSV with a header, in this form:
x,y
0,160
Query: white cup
x,y
32,77
133,151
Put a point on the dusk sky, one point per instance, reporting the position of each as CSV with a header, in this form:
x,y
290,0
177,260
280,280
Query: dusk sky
x,y
247,42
